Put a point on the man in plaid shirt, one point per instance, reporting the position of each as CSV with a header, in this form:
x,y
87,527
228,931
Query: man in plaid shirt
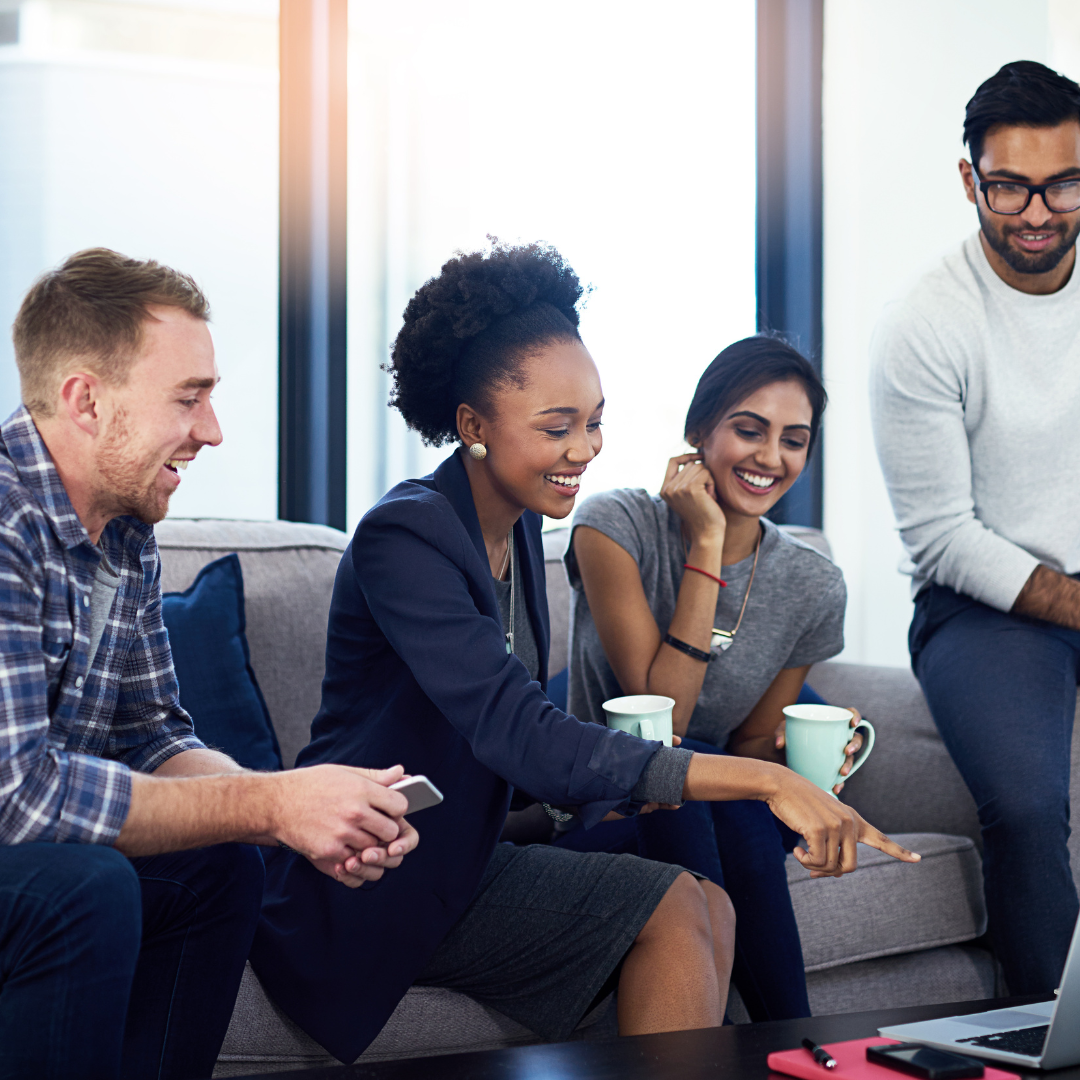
x,y
129,889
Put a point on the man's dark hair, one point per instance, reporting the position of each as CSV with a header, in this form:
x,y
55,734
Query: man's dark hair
x,y
739,371
1022,94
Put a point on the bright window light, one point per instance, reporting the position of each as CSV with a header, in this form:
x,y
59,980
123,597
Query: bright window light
x,y
622,133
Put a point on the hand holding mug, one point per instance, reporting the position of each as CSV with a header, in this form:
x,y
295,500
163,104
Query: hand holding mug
x,y
850,750
820,746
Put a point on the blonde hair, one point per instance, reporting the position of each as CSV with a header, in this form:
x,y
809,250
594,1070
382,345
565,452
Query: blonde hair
x,y
90,311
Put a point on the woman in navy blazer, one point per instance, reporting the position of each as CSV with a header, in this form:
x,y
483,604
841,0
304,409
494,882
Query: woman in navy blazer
x,y
419,671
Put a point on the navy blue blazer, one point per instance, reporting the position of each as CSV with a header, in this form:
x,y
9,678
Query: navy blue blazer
x,y
417,674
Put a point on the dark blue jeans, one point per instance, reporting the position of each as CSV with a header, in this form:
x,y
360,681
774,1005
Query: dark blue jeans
x,y
1002,691
739,846
113,967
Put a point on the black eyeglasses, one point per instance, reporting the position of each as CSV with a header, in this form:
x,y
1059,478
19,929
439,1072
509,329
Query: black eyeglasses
x,y
1012,197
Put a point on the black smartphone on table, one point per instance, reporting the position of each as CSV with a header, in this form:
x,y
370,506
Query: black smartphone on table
x,y
924,1061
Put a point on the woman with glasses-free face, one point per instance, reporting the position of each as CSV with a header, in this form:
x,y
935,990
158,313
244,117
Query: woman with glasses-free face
x,y
1031,247
693,595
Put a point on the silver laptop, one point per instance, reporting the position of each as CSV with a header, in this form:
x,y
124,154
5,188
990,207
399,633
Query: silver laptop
x,y
1046,1035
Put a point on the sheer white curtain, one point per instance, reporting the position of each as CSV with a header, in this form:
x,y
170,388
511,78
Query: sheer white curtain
x,y
620,132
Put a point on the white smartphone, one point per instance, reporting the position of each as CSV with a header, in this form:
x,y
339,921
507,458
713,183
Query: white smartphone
x,y
420,792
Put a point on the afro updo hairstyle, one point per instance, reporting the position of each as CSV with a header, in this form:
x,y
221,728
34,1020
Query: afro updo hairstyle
x,y
468,331
743,368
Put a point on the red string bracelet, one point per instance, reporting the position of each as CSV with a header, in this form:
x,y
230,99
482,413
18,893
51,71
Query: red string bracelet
x,y
719,581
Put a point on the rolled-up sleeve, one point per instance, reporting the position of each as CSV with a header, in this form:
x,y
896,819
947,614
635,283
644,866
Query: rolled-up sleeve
x,y
664,777
45,793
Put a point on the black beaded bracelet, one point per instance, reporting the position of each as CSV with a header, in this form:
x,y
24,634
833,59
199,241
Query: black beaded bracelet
x,y
682,646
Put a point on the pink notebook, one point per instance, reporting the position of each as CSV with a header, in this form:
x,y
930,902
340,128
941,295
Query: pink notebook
x,y
851,1063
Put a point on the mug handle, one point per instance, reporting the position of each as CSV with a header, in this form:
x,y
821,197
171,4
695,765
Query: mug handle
x,y
864,753
648,729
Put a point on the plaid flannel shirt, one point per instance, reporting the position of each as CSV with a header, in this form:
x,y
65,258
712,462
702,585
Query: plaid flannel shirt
x,y
71,730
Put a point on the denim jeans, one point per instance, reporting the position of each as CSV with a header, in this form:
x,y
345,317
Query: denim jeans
x,y
1002,691
113,967
739,846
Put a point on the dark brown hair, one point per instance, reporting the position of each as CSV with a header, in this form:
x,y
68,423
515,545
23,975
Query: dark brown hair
x,y
744,367
1024,93
90,311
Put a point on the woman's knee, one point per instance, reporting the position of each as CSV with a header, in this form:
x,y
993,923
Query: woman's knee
x,y
721,911
683,910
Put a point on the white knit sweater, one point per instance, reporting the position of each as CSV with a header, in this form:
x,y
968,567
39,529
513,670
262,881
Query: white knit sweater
x,y
975,395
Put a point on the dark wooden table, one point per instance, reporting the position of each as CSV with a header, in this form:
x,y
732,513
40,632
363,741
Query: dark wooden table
x,y
735,1052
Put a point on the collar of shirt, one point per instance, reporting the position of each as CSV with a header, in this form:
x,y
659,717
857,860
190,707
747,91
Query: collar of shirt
x,y
34,466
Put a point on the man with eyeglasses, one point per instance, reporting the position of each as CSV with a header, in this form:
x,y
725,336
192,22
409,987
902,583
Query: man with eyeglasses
x,y
976,406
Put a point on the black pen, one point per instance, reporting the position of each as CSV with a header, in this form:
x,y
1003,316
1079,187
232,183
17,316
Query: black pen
x,y
821,1056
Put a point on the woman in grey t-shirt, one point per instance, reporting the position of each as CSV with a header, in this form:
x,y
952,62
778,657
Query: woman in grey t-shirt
x,y
695,595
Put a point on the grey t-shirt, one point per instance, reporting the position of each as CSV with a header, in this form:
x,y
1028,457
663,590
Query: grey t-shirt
x,y
106,582
795,614
663,777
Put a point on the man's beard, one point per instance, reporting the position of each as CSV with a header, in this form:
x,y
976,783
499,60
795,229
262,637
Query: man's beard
x,y
1025,262
126,484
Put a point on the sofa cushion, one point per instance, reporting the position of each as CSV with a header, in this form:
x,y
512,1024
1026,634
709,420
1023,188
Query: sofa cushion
x,y
289,573
888,907
951,973
429,1020
213,666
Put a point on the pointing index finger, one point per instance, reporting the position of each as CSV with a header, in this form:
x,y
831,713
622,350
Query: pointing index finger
x,y
872,838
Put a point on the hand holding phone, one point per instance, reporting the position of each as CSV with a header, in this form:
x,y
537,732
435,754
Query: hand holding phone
x,y
420,792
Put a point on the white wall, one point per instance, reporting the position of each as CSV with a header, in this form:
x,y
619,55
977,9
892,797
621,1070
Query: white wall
x,y
897,77
121,126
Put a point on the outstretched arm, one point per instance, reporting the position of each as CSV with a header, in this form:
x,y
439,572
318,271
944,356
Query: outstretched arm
x,y
831,829
345,820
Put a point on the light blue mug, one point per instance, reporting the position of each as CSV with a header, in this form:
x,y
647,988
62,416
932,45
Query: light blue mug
x,y
816,736
646,715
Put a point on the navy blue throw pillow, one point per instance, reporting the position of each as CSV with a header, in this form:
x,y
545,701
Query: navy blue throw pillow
x,y
213,666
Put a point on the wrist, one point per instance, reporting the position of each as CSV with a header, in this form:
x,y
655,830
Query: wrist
x,y
265,799
707,552
713,778
766,780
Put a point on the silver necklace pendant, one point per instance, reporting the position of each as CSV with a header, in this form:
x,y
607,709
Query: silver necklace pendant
x,y
722,640
513,587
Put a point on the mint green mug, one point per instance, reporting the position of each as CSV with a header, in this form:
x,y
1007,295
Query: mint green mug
x,y
816,736
646,715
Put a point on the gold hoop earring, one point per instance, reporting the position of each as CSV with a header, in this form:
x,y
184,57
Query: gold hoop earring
x,y
478,451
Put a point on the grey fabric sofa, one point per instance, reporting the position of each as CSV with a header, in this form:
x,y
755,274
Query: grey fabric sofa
x,y
888,935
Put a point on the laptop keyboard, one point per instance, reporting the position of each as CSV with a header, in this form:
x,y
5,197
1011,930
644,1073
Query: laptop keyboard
x,y
1024,1041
